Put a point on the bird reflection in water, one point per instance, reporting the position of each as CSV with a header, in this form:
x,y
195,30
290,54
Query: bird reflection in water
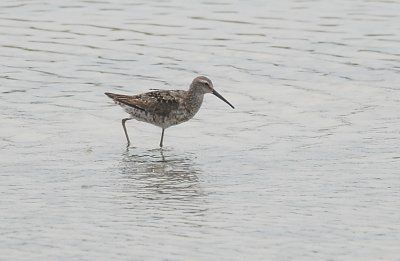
x,y
160,174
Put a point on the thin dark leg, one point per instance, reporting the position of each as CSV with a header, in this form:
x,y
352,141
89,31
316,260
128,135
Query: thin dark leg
x,y
162,137
126,133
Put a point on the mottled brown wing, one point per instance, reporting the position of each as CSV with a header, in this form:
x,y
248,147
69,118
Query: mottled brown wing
x,y
157,102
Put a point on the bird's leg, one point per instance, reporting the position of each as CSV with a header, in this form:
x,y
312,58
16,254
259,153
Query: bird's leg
x,y
126,133
162,138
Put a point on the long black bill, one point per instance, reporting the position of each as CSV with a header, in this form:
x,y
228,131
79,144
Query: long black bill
x,y
222,98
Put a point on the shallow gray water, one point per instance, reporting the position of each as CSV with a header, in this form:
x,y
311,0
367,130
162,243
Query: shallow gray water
x,y
305,168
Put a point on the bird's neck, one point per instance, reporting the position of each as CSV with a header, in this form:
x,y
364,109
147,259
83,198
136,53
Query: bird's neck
x,y
195,99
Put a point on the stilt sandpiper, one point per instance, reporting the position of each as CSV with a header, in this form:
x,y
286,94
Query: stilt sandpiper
x,y
165,108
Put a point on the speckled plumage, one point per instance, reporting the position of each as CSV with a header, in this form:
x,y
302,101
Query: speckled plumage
x,y
165,108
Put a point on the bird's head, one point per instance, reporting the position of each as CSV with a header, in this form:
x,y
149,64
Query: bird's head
x,y
203,85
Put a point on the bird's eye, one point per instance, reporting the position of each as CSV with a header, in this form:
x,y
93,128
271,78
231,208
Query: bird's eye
x,y
206,83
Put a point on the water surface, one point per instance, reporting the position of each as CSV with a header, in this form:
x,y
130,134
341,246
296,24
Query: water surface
x,y
305,168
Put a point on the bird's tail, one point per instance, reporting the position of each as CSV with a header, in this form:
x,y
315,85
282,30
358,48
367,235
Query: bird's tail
x,y
111,95
124,99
